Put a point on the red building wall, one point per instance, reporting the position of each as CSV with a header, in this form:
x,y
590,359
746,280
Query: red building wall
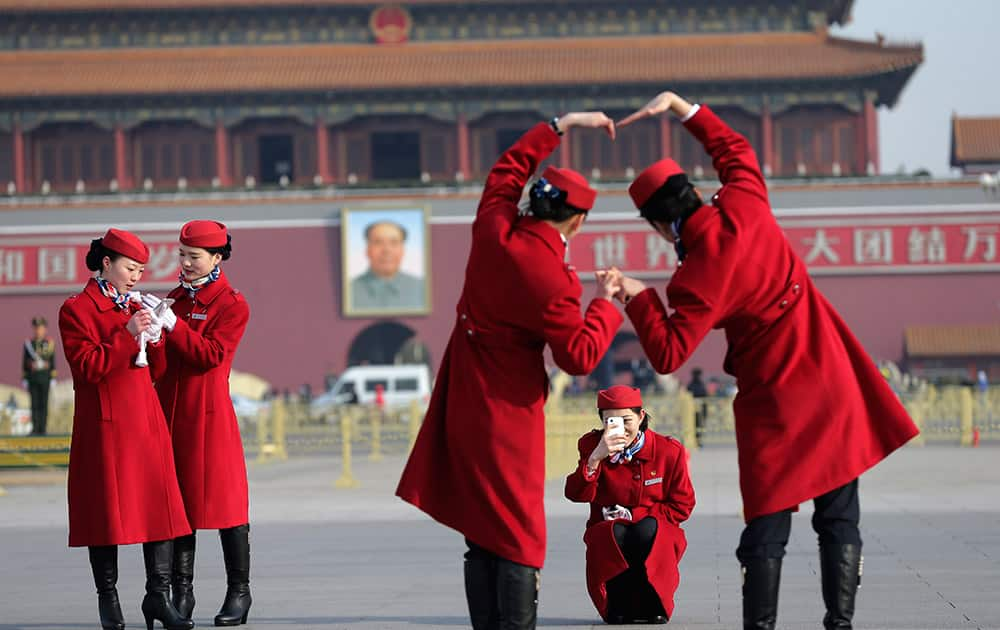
x,y
291,277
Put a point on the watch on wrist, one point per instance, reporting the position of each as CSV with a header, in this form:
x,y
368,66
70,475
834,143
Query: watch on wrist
x,y
554,123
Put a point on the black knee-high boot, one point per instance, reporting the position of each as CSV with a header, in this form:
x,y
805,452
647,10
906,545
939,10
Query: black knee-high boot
x,y
236,553
182,576
840,567
761,577
481,587
517,595
104,564
156,604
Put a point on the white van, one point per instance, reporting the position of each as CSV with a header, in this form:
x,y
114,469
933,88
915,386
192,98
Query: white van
x,y
401,384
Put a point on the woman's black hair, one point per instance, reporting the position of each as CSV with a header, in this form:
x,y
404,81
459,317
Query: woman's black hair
x,y
642,425
550,205
97,253
225,251
675,199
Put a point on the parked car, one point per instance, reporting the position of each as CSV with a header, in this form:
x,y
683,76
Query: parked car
x,y
401,384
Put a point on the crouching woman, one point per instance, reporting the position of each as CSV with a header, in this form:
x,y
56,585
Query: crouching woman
x,y
636,482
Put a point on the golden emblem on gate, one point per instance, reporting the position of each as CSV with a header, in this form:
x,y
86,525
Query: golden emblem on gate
x,y
390,25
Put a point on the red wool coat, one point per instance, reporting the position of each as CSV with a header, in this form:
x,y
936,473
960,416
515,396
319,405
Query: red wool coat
x,y
478,464
122,484
655,483
813,412
194,393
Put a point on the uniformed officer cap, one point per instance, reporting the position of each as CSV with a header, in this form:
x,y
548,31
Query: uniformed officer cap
x,y
38,320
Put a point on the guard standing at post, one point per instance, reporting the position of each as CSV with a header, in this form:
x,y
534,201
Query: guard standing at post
x,y
38,371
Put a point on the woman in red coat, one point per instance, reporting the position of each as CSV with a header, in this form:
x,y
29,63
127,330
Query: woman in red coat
x,y
636,482
122,484
478,464
207,323
813,412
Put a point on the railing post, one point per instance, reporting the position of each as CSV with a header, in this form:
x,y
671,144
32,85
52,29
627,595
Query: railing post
x,y
915,408
687,411
278,432
414,423
965,416
263,431
346,479
271,432
376,424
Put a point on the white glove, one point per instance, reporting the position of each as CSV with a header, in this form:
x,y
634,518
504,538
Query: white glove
x,y
155,330
160,310
167,318
24,384
617,511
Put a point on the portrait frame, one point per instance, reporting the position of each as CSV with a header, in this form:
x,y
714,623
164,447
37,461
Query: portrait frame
x,y
408,292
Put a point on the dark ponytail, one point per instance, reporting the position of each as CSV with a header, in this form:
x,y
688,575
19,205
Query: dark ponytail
x,y
95,257
225,251
675,199
548,203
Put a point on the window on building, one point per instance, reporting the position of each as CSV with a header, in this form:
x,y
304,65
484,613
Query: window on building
x,y
48,163
185,165
6,159
435,154
825,148
66,163
845,151
148,161
86,163
206,161
788,157
807,153
106,160
168,168
505,139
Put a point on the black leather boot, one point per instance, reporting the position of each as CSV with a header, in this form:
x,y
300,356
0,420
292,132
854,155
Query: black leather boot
x,y
840,567
104,564
517,595
481,587
236,553
156,604
761,577
182,576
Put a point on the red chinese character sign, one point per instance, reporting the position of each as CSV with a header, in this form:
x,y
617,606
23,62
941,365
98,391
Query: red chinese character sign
x,y
56,263
390,25
843,246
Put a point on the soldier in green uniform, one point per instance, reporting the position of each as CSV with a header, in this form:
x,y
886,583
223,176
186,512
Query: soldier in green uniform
x,y
38,371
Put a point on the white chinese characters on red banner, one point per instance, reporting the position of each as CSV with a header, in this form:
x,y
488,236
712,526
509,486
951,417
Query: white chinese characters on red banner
x,y
57,263
827,247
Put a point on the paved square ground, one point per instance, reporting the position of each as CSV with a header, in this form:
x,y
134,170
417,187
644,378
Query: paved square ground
x,y
328,558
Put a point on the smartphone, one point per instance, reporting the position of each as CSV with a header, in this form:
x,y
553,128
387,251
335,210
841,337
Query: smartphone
x,y
615,425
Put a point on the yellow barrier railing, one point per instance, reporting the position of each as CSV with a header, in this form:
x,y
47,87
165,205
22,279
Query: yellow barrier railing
x,y
956,415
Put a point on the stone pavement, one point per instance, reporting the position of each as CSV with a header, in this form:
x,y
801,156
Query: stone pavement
x,y
327,558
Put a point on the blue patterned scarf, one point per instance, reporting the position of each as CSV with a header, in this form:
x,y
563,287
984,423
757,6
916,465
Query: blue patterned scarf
x,y
630,451
121,300
196,285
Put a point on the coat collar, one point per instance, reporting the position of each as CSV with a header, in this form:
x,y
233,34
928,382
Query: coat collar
x,y
549,235
648,451
209,292
101,301
696,224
